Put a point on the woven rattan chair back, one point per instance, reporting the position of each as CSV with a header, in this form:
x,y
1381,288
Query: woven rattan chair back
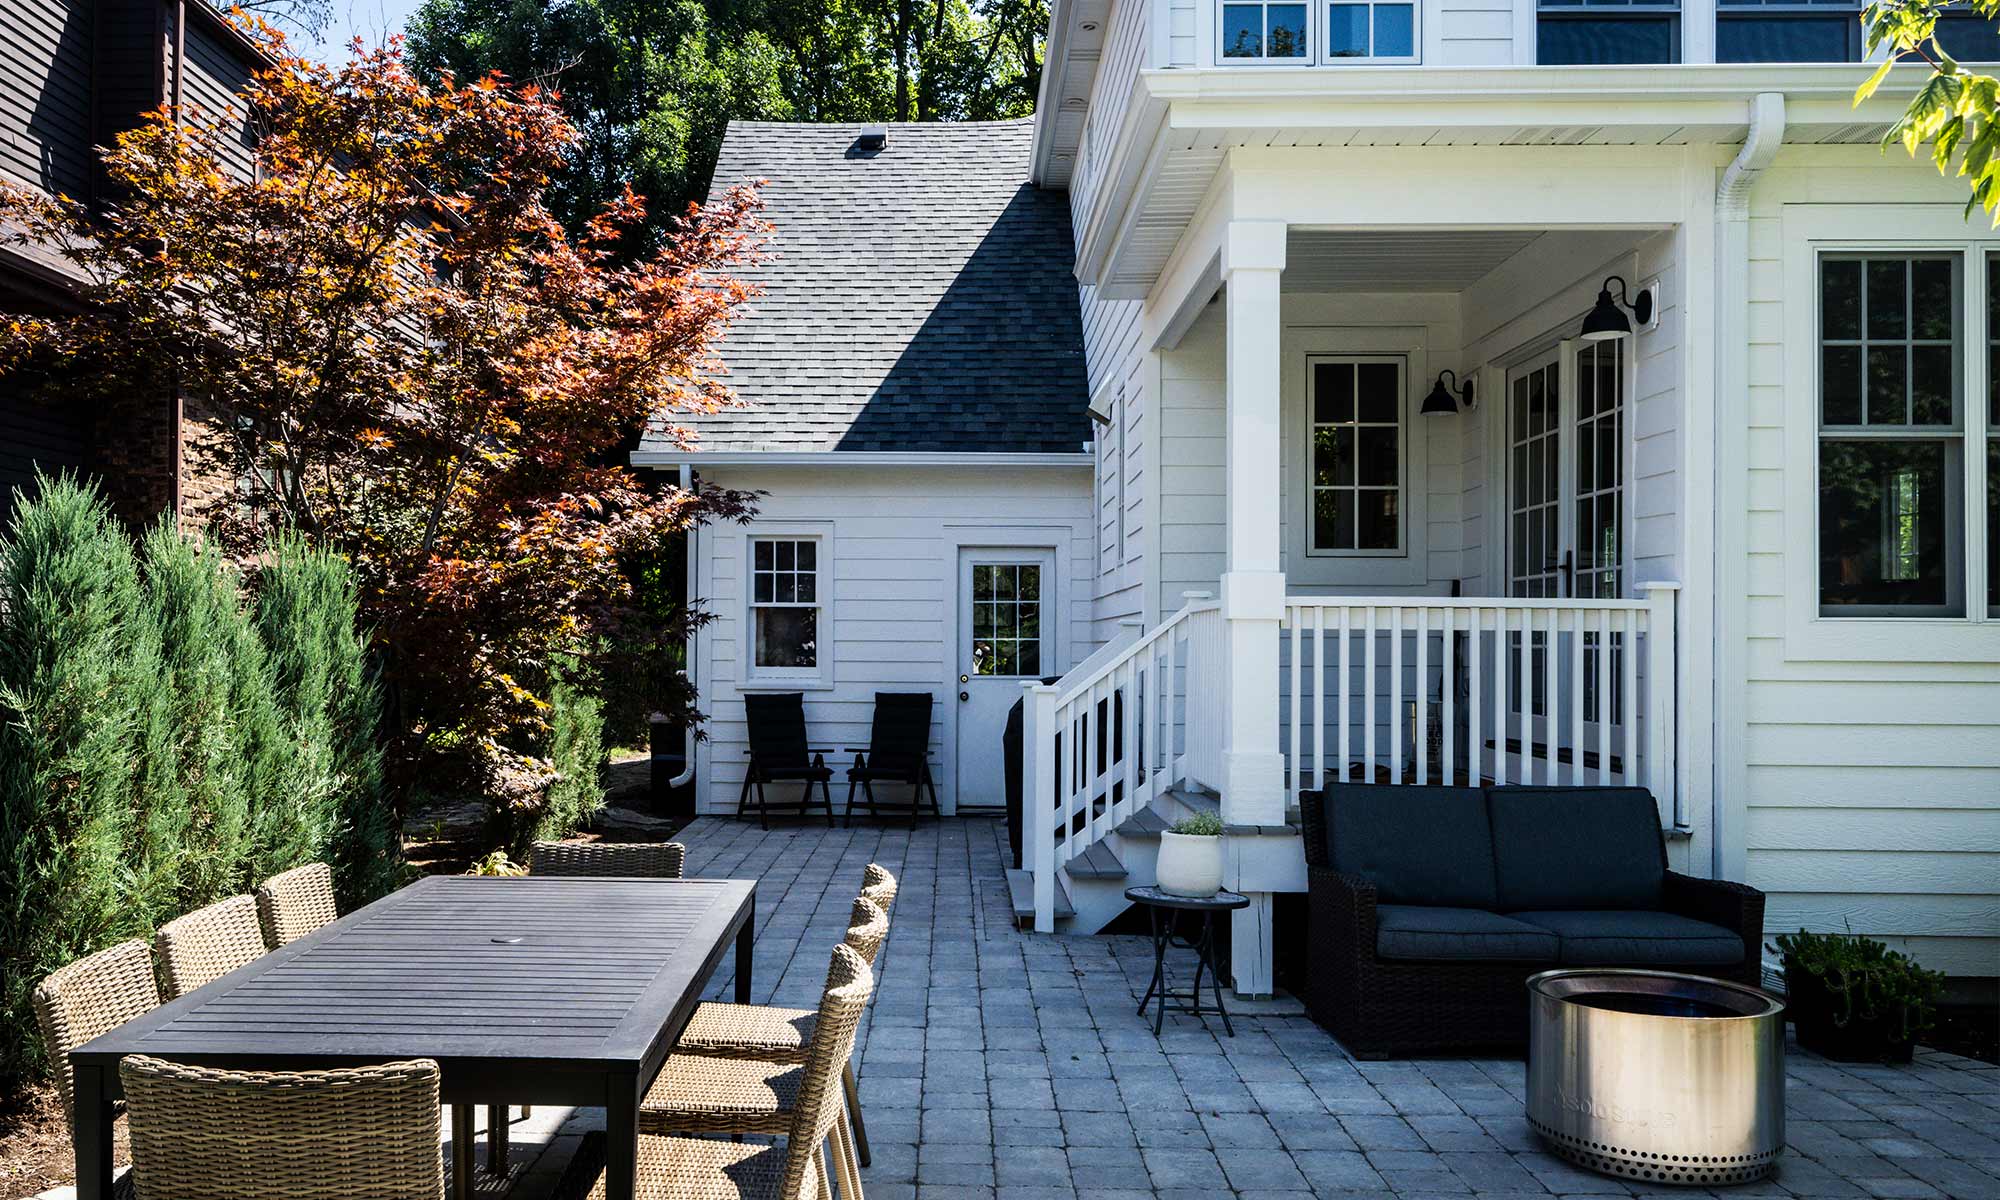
x,y
207,944
294,903
900,737
849,983
92,995
359,1133
879,885
777,729
867,929
641,860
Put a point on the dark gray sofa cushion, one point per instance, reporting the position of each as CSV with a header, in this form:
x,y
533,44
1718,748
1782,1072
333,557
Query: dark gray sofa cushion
x,y
1417,845
1576,848
1632,937
1422,932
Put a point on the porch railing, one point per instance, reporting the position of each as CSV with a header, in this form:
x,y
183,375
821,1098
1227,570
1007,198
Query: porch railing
x,y
1104,740
1476,690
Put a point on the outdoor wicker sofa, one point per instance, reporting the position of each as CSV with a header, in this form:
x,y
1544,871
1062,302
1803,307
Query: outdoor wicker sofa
x,y
1429,907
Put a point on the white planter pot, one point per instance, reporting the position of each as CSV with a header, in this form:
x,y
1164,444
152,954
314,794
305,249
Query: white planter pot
x,y
1189,865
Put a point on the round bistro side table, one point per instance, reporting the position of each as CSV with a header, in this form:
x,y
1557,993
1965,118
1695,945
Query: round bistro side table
x,y
1165,909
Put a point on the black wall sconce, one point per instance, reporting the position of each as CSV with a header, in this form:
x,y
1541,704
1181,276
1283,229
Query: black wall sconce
x,y
1607,319
1441,402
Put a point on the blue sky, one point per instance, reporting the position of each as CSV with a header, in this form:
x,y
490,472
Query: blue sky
x,y
370,20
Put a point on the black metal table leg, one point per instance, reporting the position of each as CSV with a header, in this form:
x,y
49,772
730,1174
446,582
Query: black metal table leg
x,y
746,942
462,1136
94,1115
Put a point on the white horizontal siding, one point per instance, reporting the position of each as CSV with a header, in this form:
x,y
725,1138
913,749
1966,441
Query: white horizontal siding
x,y
894,535
1871,788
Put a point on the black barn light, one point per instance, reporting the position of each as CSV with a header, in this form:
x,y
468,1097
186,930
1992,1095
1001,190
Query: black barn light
x,y
1607,320
1441,402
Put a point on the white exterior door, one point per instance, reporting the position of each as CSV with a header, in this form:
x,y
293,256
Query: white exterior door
x,y
1565,528
1006,612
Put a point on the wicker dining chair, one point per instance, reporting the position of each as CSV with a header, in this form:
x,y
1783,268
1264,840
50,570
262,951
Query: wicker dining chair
x,y
294,903
90,996
357,1133
207,944
767,1033
647,860
780,752
698,1168
899,751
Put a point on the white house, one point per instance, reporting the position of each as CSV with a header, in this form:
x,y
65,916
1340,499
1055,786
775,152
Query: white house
x,y
1367,499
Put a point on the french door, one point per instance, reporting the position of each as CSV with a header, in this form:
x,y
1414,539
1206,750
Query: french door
x,y
1566,522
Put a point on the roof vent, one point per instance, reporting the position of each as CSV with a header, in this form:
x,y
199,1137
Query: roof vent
x,y
873,137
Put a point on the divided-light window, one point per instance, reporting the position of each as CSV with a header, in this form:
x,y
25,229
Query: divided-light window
x,y
785,596
1332,31
1894,423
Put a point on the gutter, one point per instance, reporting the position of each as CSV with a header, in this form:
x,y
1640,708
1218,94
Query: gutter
x,y
855,458
692,569
1732,389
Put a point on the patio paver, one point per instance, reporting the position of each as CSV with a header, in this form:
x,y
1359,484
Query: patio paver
x,y
1003,1065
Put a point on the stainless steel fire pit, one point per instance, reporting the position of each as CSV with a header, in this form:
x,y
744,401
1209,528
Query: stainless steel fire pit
x,y
1657,1077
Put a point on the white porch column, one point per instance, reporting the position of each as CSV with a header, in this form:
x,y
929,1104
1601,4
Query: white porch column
x,y
1253,587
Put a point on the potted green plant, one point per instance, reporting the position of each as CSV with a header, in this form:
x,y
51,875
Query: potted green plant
x,y
1191,857
1853,999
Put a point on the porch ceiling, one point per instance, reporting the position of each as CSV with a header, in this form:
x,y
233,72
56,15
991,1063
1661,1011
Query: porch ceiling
x,y
1397,261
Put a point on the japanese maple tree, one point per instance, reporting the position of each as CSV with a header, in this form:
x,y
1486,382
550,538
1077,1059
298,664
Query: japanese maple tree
x,y
404,356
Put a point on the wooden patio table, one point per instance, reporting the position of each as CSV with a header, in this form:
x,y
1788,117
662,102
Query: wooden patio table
x,y
525,991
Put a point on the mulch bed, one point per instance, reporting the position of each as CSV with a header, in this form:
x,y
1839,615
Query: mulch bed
x,y
35,1152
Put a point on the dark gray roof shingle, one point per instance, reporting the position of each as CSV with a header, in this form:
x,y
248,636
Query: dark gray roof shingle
x,y
919,298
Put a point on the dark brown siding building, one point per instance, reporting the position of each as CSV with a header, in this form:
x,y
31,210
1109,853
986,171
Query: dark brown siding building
x,y
73,75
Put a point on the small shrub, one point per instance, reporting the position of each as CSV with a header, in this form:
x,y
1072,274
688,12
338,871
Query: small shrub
x,y
1880,1000
498,864
576,751
1199,825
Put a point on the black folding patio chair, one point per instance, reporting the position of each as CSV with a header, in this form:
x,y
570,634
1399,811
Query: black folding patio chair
x,y
780,753
899,747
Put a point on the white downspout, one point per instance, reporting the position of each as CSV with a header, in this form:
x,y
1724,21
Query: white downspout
x,y
693,574
1732,397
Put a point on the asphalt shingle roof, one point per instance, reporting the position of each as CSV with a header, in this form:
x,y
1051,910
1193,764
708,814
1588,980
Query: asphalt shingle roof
x,y
919,298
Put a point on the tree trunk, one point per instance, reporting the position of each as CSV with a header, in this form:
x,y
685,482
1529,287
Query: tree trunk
x,y
903,60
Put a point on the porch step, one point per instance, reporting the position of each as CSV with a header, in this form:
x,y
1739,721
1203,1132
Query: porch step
x,y
1197,801
1144,824
1021,891
1096,862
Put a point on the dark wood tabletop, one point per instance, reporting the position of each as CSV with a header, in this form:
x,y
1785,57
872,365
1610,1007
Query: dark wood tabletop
x,y
525,991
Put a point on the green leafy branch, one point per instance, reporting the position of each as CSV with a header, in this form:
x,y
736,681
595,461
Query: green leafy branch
x,y
1954,112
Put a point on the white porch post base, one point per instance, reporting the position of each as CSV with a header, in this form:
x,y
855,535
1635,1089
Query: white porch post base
x,y
1253,771
1250,948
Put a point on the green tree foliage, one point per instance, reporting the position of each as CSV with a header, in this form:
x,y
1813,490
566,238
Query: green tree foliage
x,y
1954,113
73,665
576,751
652,84
330,705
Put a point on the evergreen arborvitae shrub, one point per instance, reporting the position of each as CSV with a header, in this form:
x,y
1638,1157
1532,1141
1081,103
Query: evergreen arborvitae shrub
x,y
77,659
192,594
576,751
330,708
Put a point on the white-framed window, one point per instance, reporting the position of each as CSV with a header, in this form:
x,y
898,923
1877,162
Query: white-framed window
x,y
1585,32
787,618
1322,32
1379,32
1357,412
1892,433
1263,31
1750,31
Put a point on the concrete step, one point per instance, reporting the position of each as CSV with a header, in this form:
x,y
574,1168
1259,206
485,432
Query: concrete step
x,y
1021,891
1096,862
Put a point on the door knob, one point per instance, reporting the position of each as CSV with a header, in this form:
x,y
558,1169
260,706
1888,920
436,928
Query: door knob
x,y
964,696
